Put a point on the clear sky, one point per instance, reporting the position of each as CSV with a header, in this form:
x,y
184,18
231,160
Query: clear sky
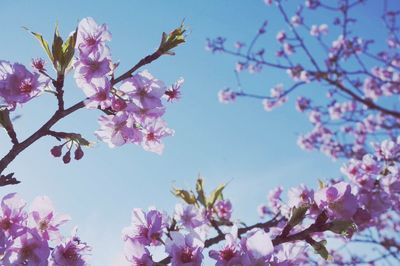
x,y
240,143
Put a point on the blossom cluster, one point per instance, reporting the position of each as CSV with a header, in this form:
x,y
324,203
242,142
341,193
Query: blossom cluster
x,y
361,81
134,109
34,237
345,208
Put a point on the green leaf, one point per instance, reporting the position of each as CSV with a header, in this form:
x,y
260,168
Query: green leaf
x,y
321,184
57,50
172,40
68,49
201,197
319,248
187,196
341,226
215,195
298,215
42,42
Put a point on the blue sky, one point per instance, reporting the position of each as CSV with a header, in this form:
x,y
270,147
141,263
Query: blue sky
x,y
240,143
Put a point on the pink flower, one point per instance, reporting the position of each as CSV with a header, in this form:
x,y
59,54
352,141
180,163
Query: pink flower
x,y
154,131
71,252
99,94
230,254
318,30
223,209
17,84
281,36
45,219
226,96
144,90
12,217
257,248
91,37
189,215
338,200
174,92
28,249
116,130
94,65
302,104
185,249
288,48
146,228
137,254
300,195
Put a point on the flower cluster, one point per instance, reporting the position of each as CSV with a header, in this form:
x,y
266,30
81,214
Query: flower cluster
x,y
34,238
134,109
361,81
342,209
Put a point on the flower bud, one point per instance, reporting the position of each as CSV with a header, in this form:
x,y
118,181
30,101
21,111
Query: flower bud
x,y
67,157
56,151
78,153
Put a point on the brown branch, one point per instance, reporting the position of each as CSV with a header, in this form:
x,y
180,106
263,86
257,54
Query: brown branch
x,y
8,180
144,61
366,102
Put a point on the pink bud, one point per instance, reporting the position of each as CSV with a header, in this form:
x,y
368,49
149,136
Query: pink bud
x,y
56,151
67,157
78,153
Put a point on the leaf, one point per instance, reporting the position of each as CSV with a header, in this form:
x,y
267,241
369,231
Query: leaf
x,y
319,248
341,226
172,40
57,49
68,49
187,196
298,215
321,184
42,42
216,194
201,197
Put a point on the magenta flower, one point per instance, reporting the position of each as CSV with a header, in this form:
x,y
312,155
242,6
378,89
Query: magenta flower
x,y
116,130
28,249
99,94
91,37
257,248
71,252
318,30
338,200
12,217
189,215
45,219
145,112
230,254
144,90
5,243
302,104
223,208
17,84
92,66
274,199
137,254
155,130
185,250
300,195
226,96
173,93
146,228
